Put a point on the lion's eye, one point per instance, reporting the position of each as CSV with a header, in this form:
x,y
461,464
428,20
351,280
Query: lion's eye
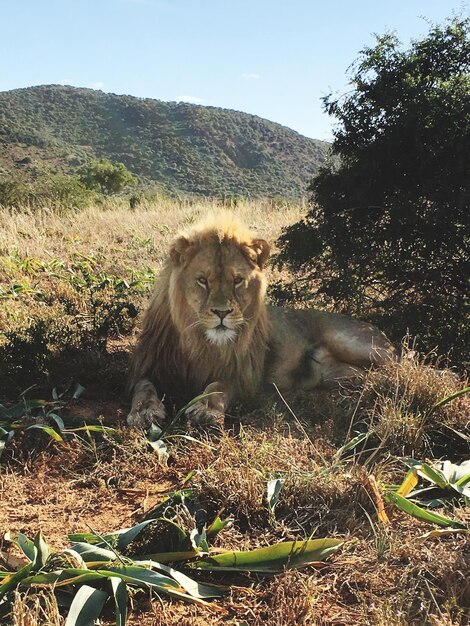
x,y
238,281
202,281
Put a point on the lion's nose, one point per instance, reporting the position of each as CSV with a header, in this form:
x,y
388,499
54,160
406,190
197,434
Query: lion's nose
x,y
221,313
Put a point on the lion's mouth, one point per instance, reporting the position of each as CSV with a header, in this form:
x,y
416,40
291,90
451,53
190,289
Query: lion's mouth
x,y
220,334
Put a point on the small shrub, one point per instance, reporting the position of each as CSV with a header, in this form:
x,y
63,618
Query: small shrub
x,y
53,191
55,308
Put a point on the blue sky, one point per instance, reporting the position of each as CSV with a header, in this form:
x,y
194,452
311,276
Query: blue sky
x,y
273,58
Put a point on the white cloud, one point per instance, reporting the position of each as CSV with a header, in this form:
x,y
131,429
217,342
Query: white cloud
x,y
191,99
251,76
97,85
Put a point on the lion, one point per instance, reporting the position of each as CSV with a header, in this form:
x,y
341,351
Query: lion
x,y
208,330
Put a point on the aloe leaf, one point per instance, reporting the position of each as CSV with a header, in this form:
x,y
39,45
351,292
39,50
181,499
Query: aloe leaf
x,y
439,532
90,553
463,491
42,551
24,544
456,432
177,497
120,538
153,432
79,389
141,577
199,540
12,580
5,438
21,409
90,538
57,419
352,444
64,577
161,450
92,428
272,559
194,588
410,481
48,430
448,399
204,444
274,489
217,525
86,606
420,513
171,557
463,481
178,540
126,536
456,473
119,588
433,474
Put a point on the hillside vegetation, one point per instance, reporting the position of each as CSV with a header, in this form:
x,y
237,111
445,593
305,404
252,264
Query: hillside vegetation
x,y
180,147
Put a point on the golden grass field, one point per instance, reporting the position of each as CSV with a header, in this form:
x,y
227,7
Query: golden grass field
x,y
389,571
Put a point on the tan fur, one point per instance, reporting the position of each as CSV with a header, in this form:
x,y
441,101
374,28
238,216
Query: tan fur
x,y
207,327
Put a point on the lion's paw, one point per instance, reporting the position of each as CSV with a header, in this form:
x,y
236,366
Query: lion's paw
x,y
146,413
200,414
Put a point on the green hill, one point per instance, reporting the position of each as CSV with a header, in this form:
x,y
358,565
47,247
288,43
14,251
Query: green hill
x,y
178,146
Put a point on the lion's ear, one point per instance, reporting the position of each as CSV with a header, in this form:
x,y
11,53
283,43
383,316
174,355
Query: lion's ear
x,y
262,250
179,250
259,251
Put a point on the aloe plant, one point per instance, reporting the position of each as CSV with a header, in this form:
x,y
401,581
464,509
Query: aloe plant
x,y
41,415
94,572
446,482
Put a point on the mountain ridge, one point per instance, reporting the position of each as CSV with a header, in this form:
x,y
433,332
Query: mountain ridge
x,y
178,146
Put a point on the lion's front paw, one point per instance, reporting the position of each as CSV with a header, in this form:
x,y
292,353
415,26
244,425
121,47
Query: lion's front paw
x,y
151,411
200,414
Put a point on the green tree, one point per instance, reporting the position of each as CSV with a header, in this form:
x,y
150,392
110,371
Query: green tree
x,y
387,236
106,177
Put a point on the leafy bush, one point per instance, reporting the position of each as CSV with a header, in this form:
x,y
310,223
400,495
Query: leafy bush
x,y
105,177
387,236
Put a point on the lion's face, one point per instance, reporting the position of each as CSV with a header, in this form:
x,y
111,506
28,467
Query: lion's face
x,y
223,286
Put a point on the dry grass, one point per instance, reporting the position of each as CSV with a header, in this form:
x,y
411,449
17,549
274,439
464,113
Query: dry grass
x,y
36,609
382,576
127,238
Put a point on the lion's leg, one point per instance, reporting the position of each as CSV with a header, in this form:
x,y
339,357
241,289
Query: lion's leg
x,y
319,368
210,410
147,408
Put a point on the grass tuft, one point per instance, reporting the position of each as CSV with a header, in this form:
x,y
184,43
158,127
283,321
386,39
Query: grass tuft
x,y
398,403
